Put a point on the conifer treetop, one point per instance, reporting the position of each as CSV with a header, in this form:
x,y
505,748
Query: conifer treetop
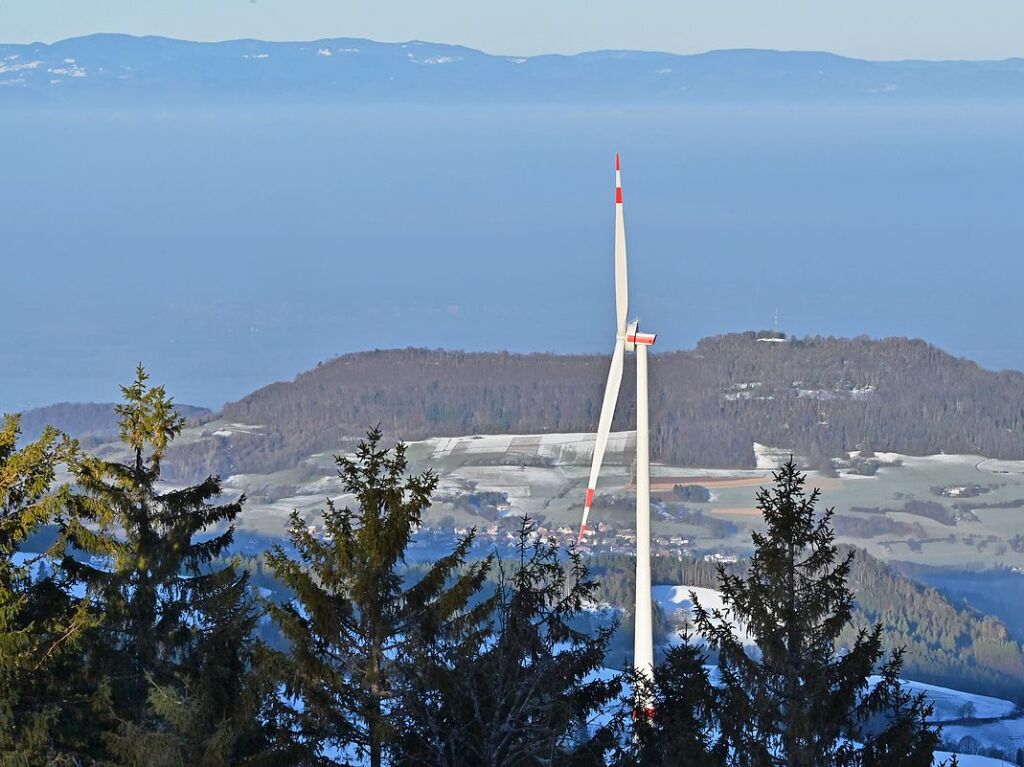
x,y
799,699
147,416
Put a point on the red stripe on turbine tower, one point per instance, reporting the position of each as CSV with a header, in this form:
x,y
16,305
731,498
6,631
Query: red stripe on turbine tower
x,y
590,497
618,195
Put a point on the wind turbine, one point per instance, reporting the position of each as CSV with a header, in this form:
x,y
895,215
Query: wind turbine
x,y
628,338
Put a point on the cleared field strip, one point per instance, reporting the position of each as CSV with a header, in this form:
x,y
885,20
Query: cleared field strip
x,y
667,483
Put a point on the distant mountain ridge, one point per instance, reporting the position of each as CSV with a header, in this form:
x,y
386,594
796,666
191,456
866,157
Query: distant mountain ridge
x,y
121,68
819,397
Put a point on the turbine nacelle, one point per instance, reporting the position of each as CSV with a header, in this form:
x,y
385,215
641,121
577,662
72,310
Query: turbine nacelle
x,y
634,337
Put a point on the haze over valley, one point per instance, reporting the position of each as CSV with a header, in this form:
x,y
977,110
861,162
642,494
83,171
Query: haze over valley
x,y
842,213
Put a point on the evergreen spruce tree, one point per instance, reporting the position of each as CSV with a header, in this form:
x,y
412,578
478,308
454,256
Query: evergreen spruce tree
x,y
525,688
895,725
172,626
39,625
219,709
796,701
354,617
683,730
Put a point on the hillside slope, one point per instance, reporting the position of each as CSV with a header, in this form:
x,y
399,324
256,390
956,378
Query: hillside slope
x,y
91,422
819,397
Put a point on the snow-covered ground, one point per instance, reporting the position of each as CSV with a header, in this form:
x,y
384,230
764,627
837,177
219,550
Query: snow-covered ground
x,y
970,760
768,457
676,604
1005,734
571,448
952,705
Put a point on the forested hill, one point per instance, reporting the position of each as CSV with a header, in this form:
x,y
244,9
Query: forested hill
x,y
817,396
87,421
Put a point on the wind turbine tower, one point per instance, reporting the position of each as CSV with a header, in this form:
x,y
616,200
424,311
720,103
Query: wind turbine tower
x,y
628,338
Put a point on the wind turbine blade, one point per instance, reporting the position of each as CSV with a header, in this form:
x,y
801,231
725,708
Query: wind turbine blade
x,y
621,286
604,426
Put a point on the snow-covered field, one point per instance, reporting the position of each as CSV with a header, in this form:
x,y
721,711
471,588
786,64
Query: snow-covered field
x,y
676,604
545,476
1005,734
970,760
560,448
952,705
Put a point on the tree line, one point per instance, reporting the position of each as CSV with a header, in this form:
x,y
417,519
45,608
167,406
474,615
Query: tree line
x,y
130,640
819,397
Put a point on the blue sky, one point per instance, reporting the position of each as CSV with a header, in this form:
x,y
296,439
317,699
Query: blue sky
x,y
875,29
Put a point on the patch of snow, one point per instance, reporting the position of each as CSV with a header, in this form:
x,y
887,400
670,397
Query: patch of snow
x,y
229,429
1005,734
766,457
663,71
324,52
862,392
442,60
847,474
323,486
743,390
951,705
571,448
818,394
346,50
516,60
996,466
856,393
676,603
18,67
971,760
72,70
